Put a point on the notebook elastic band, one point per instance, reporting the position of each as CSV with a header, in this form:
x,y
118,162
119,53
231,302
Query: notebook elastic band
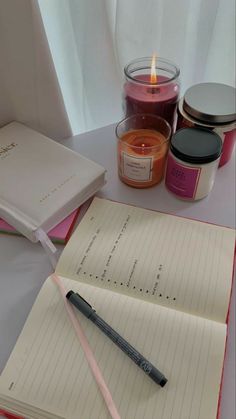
x,y
88,352
48,246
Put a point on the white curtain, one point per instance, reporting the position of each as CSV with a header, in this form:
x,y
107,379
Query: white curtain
x,y
92,40
76,85
29,89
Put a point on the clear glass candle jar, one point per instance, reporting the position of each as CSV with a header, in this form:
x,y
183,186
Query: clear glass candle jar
x,y
142,146
151,87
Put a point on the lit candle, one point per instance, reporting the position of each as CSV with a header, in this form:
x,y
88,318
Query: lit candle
x,y
148,92
142,151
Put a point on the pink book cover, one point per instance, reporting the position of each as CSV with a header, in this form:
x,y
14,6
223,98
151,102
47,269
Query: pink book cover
x,y
59,234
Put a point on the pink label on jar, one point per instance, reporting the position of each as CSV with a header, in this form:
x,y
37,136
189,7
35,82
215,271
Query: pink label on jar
x,y
181,180
228,145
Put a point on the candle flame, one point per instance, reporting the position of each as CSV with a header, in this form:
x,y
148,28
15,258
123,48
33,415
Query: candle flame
x,y
153,69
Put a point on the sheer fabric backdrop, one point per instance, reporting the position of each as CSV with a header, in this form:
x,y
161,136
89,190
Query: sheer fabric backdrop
x,y
29,89
91,41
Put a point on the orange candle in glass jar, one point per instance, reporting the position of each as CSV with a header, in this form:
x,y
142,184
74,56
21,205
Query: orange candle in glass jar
x,y
141,157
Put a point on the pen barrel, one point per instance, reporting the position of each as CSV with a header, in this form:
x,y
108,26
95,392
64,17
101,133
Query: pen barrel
x,y
87,310
129,350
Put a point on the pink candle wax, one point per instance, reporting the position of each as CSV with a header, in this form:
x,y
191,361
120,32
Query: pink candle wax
x,y
158,99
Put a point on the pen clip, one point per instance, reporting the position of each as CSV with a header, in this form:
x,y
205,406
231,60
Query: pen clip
x,y
83,299
80,303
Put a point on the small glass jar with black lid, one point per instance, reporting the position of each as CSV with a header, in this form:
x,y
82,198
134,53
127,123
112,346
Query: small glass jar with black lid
x,y
192,162
211,106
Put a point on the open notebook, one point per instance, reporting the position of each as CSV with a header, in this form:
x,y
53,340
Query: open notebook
x,y
163,283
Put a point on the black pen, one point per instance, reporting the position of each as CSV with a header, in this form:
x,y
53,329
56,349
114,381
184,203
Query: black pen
x,y
86,309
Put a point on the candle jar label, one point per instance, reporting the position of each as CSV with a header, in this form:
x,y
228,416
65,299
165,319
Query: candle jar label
x,y
180,179
136,168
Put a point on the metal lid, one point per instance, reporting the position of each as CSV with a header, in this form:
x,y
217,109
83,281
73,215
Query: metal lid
x,y
211,102
196,145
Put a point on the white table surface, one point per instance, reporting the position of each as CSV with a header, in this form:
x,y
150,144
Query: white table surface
x,y
24,266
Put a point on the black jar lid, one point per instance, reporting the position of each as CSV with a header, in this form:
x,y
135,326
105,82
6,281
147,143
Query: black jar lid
x,y
196,145
213,103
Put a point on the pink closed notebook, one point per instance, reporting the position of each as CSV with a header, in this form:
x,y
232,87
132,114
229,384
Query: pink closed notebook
x,y
59,234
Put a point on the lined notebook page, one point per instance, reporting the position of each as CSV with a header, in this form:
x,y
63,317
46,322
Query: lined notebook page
x,y
180,263
48,369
